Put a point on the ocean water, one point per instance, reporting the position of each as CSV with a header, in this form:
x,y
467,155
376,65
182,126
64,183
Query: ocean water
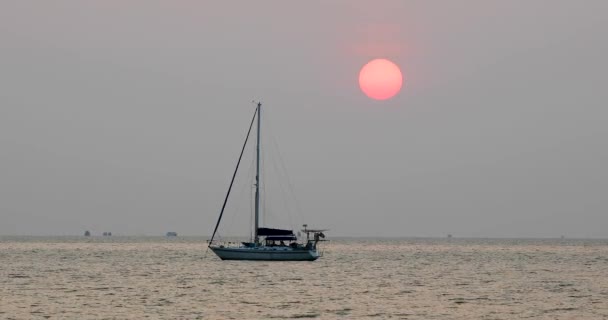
x,y
176,278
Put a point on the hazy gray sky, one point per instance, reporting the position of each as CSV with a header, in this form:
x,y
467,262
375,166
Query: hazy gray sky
x,y
127,116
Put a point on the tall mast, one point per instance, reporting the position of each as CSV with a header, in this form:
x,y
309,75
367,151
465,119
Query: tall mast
x,y
257,178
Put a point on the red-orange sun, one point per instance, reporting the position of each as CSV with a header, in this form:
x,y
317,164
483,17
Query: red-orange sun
x,y
380,79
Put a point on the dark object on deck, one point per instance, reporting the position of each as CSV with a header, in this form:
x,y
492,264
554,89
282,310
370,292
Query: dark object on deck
x,y
171,234
281,238
274,232
107,234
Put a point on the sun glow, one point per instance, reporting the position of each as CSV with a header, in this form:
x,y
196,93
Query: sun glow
x,y
380,79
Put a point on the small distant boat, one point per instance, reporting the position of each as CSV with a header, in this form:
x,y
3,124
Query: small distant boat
x,y
171,234
87,233
267,243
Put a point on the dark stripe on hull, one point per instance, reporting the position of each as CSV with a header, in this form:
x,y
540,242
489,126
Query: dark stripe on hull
x,y
264,255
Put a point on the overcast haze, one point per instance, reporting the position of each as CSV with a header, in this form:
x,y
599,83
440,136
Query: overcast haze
x,y
128,116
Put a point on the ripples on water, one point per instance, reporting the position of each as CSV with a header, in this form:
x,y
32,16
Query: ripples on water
x,y
81,278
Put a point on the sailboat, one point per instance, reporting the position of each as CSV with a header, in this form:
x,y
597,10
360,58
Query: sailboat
x,y
271,244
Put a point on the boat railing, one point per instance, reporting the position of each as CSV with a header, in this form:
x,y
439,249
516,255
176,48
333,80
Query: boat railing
x,y
310,244
228,244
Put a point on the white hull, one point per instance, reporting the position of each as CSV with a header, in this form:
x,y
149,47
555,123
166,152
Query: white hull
x,y
265,253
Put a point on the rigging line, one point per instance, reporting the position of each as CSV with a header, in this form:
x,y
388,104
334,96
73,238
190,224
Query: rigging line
x,y
268,197
284,170
232,213
219,219
251,214
264,195
252,194
262,183
249,199
285,195
281,192
277,199
250,178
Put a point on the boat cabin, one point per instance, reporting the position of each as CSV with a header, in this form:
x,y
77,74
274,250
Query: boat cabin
x,y
280,241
